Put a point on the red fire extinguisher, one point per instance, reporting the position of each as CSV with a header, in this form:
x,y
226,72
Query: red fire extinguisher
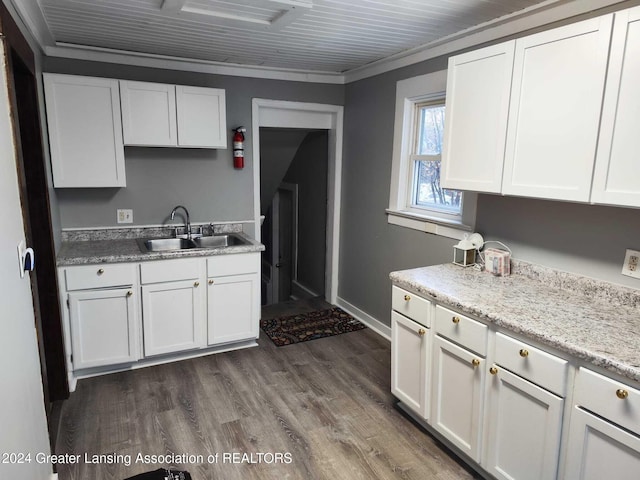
x,y
238,147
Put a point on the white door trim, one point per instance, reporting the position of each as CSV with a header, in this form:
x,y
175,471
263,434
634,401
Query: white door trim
x,y
283,114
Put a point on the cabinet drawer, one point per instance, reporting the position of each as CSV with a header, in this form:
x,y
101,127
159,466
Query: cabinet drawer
x,y
233,264
411,305
606,397
463,330
171,270
537,366
99,276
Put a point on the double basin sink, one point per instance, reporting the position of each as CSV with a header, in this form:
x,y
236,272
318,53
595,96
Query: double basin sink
x,y
171,244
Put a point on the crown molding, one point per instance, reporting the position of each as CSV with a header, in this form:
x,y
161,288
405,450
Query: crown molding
x,y
123,57
533,17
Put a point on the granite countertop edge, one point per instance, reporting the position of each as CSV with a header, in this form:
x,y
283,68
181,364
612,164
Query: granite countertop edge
x,y
504,319
90,252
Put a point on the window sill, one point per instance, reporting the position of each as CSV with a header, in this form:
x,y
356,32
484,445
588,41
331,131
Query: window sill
x,y
425,223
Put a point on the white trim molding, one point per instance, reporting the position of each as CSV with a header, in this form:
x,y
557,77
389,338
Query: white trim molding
x,y
371,322
283,114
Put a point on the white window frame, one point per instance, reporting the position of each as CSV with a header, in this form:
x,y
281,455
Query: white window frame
x,y
409,93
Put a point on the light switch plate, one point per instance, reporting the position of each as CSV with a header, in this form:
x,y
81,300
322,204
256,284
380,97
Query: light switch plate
x,y
125,215
631,266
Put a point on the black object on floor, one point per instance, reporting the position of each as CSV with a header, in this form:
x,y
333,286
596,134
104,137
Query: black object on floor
x,y
162,474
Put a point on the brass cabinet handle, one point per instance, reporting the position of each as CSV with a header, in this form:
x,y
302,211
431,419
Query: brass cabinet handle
x,y
422,331
196,284
407,298
100,271
455,319
210,282
622,394
493,370
475,362
524,352
129,293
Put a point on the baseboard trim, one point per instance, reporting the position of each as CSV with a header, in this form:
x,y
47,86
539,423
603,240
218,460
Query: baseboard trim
x,y
54,476
373,323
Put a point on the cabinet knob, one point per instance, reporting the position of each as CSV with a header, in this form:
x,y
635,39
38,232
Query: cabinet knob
x,y
421,332
196,284
129,293
493,370
100,271
475,362
407,298
455,319
622,394
210,282
524,352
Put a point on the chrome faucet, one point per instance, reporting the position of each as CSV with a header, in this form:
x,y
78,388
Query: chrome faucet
x,y
188,223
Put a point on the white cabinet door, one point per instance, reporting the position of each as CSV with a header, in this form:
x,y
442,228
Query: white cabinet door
x,y
202,117
617,167
477,106
409,363
524,425
556,98
173,317
233,308
599,449
85,131
103,327
148,113
458,386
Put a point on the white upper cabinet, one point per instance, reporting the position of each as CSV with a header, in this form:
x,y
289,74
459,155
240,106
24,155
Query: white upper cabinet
x,y
85,131
477,105
148,113
202,119
554,115
160,115
617,166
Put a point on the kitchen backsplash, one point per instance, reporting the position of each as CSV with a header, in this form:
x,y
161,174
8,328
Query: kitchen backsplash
x,y
79,235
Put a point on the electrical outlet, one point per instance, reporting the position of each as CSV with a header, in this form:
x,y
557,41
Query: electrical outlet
x,y
631,266
125,215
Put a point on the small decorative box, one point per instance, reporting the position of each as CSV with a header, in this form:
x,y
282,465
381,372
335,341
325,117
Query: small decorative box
x,y
497,261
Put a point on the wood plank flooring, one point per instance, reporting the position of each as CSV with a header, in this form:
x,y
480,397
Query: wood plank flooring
x,y
326,402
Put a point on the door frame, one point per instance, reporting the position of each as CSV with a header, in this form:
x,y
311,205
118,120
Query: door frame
x,y
285,114
275,238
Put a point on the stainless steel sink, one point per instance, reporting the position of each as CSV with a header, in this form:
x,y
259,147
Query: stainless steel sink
x,y
219,241
171,244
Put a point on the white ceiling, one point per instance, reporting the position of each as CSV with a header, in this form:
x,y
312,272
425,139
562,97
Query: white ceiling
x,y
334,36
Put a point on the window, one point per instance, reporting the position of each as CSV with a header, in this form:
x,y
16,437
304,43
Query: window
x,y
417,199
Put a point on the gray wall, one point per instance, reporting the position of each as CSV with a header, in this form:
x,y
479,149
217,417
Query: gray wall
x,y
309,171
584,239
158,178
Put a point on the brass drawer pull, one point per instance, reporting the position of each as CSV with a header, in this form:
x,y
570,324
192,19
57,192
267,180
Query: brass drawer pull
x,y
455,320
421,332
210,282
100,271
622,394
129,293
524,353
475,362
407,298
196,284
493,370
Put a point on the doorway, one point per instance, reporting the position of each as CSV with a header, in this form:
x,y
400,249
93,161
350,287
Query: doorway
x,y
297,115
293,183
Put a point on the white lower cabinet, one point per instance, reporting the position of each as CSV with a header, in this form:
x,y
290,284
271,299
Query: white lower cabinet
x,y
173,317
604,432
458,385
409,360
524,425
103,327
233,312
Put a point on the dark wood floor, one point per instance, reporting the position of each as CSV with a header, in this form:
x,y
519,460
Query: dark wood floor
x,y
327,403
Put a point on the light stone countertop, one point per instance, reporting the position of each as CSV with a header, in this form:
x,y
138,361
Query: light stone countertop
x,y
87,252
597,322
